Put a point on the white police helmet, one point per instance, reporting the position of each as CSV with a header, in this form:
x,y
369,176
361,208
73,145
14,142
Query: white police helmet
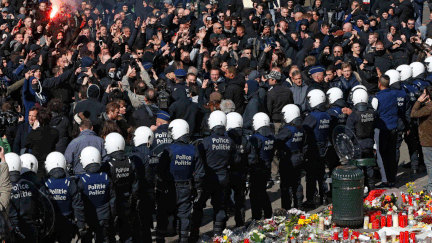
x,y
55,160
90,155
393,75
417,68
359,86
290,112
143,135
360,96
316,97
114,142
178,128
428,62
374,103
217,118
334,94
234,120
28,163
13,161
405,72
259,120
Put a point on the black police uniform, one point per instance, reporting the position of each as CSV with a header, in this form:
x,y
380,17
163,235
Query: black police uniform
x,y
404,115
362,123
140,157
317,129
289,142
32,177
238,172
180,169
218,153
24,208
124,179
68,205
99,199
260,171
337,118
161,135
412,138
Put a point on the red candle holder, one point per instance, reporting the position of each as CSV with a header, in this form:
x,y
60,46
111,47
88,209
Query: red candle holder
x,y
345,233
335,236
401,237
376,224
389,221
383,222
413,237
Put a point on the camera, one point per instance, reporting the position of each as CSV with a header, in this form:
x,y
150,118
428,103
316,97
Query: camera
x,y
7,119
114,84
163,99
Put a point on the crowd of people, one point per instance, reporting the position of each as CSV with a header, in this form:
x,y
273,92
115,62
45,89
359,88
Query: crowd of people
x,y
114,112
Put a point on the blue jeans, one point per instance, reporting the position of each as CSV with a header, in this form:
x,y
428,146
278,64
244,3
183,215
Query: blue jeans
x,y
427,152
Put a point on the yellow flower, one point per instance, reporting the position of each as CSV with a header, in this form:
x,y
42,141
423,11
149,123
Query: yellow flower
x,y
307,221
407,185
225,237
301,221
314,217
421,192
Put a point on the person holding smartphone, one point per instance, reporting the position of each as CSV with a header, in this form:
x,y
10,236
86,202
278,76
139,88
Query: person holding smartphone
x,y
422,109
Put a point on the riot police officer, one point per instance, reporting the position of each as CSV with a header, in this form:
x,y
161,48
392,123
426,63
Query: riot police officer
x,y
25,205
419,75
338,116
428,63
289,142
98,195
238,170
140,157
317,130
404,110
66,199
263,143
29,167
411,134
125,183
218,152
362,123
179,173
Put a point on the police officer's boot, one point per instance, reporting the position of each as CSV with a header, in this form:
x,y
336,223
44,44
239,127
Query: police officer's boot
x,y
194,236
317,200
218,228
184,237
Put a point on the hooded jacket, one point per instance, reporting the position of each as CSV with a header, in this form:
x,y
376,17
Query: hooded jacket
x,y
91,104
255,104
62,124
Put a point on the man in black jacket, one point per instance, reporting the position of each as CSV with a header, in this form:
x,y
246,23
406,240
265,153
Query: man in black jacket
x,y
234,89
146,114
23,131
184,108
277,97
89,102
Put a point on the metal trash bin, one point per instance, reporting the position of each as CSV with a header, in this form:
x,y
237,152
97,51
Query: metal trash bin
x,y
348,187
362,162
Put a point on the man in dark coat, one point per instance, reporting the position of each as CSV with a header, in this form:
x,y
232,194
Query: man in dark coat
x,y
89,103
277,97
42,139
234,89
